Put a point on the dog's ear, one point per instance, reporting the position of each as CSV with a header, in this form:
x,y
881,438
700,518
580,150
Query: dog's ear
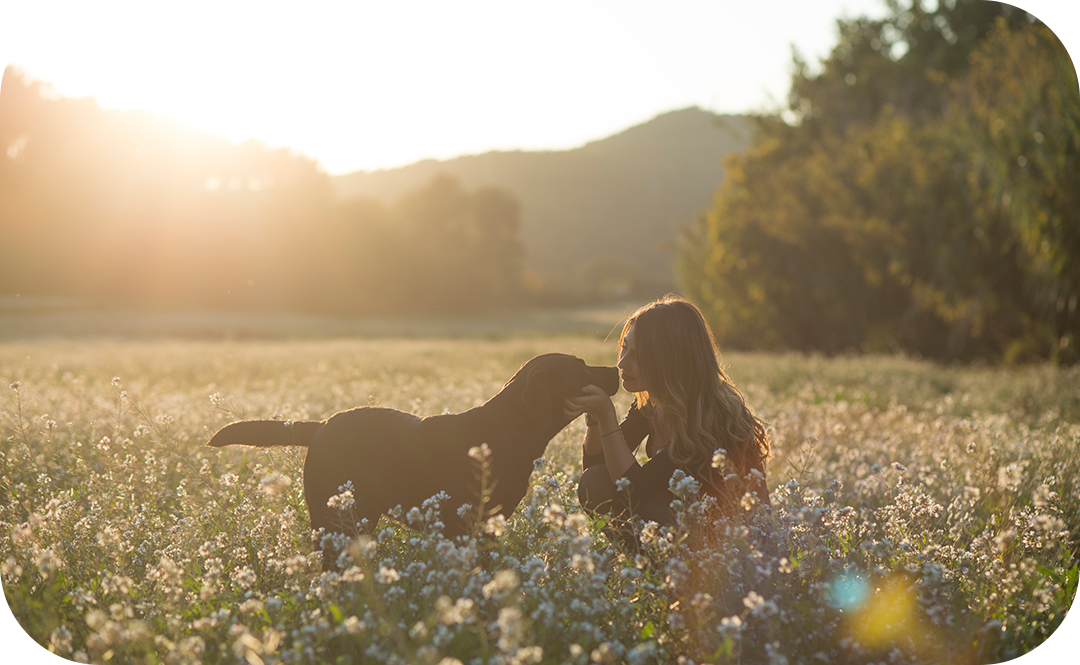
x,y
537,396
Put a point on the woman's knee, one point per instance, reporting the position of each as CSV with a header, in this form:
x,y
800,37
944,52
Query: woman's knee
x,y
596,492
657,509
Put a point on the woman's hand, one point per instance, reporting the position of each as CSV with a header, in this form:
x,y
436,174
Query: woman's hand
x,y
607,436
593,400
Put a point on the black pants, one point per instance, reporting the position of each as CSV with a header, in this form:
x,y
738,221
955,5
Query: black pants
x,y
598,496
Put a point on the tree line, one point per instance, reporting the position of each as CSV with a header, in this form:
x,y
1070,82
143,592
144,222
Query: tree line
x,y
130,208
920,193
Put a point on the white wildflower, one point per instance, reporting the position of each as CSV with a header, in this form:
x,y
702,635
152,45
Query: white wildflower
x,y
719,458
553,514
505,580
480,453
1042,496
682,484
1005,539
60,640
603,654
352,574
749,500
1009,476
511,628
342,501
251,606
243,577
577,523
353,625
387,575
531,654
274,483
451,612
753,601
495,526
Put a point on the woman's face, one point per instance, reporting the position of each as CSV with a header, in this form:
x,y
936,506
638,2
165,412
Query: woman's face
x,y
628,364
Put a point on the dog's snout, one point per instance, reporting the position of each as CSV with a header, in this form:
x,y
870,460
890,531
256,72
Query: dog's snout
x,y
606,378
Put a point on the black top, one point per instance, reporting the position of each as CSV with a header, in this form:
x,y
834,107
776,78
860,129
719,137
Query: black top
x,y
652,479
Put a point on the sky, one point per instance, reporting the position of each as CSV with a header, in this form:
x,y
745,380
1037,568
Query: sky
x,y
362,85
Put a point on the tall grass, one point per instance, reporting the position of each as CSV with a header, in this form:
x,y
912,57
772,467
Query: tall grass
x,y
921,514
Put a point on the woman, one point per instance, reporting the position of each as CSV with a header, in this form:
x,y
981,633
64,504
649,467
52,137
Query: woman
x,y
688,411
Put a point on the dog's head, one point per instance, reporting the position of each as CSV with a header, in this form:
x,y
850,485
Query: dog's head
x,y
551,378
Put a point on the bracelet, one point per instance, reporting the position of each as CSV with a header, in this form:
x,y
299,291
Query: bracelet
x,y
590,421
611,432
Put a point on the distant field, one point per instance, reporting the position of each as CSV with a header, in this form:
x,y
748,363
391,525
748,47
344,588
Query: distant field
x,y
921,514
51,318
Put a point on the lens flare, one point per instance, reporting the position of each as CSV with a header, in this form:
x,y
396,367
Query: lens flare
x,y
890,615
849,592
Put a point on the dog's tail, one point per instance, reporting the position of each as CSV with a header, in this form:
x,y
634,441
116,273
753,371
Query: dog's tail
x,y
265,433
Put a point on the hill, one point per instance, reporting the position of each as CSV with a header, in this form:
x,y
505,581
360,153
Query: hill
x,y
611,206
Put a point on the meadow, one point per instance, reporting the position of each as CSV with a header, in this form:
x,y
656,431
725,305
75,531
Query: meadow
x,y
920,514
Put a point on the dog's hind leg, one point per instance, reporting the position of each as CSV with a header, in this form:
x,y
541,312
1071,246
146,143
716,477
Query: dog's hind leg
x,y
340,528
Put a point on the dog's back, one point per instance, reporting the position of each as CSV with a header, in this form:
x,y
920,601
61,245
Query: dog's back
x,y
395,458
371,446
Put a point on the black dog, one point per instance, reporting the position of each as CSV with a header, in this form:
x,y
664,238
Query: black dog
x,y
394,458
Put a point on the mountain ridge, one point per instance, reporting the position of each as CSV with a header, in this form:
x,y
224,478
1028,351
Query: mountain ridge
x,y
617,199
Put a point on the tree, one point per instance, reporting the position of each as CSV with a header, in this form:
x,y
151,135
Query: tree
x,y
865,215
462,251
1018,117
128,207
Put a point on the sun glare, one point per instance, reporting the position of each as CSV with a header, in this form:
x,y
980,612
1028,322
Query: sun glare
x,y
376,85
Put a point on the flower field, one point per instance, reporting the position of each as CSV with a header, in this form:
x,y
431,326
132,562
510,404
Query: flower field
x,y
920,514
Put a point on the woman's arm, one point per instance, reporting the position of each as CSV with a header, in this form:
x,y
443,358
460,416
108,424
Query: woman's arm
x,y
634,430
592,443
607,435
592,449
617,454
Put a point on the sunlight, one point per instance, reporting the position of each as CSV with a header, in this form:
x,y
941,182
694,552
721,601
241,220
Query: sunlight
x,y
377,85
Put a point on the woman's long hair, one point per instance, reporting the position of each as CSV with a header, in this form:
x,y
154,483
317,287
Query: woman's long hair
x,y
678,362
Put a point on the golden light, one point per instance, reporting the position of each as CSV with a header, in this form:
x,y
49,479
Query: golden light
x,y
363,85
889,616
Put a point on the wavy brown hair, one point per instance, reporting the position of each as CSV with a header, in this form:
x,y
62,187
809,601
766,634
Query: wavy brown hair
x,y
679,363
